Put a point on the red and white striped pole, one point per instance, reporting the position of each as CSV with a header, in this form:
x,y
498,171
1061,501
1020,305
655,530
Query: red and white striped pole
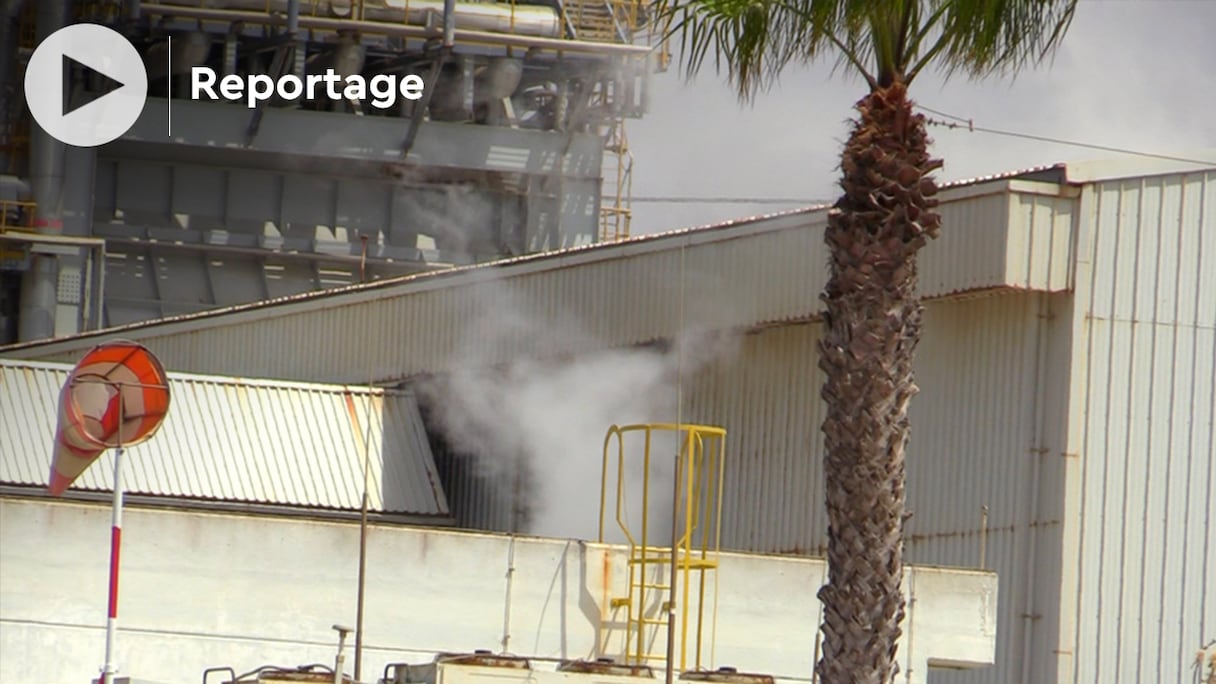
x,y
110,668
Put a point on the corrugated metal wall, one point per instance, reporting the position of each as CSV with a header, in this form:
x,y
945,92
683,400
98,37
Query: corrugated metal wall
x,y
238,441
978,430
756,272
973,445
1144,590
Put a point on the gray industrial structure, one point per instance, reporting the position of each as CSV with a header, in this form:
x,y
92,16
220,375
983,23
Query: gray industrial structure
x,y
516,146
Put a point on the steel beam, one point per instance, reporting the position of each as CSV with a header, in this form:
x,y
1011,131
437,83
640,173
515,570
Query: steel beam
x,y
215,132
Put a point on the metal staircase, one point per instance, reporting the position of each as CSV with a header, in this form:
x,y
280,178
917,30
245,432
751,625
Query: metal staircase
x,y
596,21
661,583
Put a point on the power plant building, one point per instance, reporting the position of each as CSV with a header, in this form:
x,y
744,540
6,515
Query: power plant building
x,y
1063,437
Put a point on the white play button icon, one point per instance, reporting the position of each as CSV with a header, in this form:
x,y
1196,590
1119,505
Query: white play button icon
x,y
111,63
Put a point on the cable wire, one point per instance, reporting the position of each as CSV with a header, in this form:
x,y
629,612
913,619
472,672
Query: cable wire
x,y
969,124
727,200
956,122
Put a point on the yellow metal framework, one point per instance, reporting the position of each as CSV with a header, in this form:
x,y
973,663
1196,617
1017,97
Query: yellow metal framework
x,y
616,213
695,536
15,215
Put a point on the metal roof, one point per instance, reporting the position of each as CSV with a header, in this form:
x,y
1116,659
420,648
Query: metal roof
x,y
241,441
1011,233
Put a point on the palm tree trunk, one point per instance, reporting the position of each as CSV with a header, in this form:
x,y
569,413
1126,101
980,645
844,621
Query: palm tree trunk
x,y
871,328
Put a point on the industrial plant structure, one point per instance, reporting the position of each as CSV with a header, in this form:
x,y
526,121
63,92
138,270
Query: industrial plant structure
x,y
517,146
1064,437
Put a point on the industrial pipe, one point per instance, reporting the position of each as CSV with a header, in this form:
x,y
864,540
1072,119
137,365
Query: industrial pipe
x,y
8,95
46,153
293,17
39,284
449,23
525,19
476,13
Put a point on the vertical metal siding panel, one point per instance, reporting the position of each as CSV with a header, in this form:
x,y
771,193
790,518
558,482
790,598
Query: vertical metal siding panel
x,y
1060,255
1019,248
1205,187
1197,511
1206,332
1091,466
1140,611
1148,449
1113,484
1048,223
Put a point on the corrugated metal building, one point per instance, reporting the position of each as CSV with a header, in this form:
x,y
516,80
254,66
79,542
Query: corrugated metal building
x,y
241,444
1063,435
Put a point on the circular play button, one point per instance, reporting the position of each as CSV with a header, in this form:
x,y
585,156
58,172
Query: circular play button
x,y
117,85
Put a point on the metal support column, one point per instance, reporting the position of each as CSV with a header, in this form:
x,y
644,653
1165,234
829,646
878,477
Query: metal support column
x,y
9,87
110,668
39,285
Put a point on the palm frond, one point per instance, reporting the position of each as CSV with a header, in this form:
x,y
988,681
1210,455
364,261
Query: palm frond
x,y
754,40
986,37
884,41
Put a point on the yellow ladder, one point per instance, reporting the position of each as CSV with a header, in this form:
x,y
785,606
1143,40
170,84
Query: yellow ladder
x,y
653,602
616,214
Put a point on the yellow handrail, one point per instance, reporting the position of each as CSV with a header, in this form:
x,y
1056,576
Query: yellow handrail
x,y
699,468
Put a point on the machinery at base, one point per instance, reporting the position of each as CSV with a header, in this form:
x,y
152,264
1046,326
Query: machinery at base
x,y
485,667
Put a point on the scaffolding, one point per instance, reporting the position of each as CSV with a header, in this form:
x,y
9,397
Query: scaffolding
x,y
662,581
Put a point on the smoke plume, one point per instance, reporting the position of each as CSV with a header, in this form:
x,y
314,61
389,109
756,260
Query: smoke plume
x,y
539,422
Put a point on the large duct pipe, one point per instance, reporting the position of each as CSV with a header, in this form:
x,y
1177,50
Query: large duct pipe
x,y
489,24
39,284
417,15
189,50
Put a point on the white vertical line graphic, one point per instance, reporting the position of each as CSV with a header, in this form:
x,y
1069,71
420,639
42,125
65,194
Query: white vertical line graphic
x,y
169,96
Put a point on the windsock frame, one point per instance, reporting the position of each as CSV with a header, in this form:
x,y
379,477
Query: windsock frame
x,y
116,396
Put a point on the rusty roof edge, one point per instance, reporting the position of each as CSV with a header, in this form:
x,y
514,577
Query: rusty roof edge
x,y
201,504
235,381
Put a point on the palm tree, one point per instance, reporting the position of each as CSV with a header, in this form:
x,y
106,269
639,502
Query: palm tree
x,y
886,214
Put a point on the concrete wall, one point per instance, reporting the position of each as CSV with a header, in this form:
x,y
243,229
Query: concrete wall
x,y
205,589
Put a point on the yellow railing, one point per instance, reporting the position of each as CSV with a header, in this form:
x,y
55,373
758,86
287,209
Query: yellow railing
x,y
691,552
612,21
15,215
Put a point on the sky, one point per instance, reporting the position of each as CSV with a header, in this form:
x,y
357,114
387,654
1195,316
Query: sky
x,y
1133,74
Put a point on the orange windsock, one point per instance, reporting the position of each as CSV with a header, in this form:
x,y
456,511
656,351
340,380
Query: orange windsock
x,y
116,396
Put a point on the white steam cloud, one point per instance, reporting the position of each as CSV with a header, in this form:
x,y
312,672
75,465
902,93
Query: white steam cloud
x,y
542,419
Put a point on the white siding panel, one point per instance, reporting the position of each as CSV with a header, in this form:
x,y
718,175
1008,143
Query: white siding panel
x,y
1146,557
236,441
1039,255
